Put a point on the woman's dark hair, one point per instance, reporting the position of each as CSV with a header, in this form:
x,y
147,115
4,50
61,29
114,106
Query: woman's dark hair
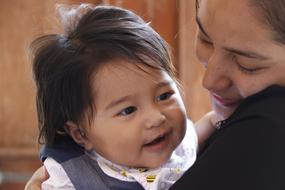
x,y
272,13
64,65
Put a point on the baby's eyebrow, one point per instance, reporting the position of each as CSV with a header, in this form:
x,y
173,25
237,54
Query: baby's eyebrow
x,y
125,98
164,83
117,101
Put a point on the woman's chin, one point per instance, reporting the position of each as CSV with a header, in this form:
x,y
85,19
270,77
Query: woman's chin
x,y
224,112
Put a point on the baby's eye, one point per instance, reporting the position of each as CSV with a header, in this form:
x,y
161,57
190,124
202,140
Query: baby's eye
x,y
128,110
165,96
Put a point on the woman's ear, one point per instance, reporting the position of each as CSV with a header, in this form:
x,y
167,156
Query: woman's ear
x,y
78,135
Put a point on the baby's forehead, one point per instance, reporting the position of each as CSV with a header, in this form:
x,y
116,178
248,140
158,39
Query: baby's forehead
x,y
121,73
123,67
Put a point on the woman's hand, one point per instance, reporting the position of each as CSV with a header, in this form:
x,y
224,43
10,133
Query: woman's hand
x,y
37,179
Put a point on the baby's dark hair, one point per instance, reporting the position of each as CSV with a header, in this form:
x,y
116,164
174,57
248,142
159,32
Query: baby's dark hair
x,y
65,64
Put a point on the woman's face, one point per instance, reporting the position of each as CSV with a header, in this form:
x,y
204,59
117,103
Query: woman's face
x,y
238,53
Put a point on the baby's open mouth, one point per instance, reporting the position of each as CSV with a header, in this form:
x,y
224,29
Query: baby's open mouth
x,y
157,140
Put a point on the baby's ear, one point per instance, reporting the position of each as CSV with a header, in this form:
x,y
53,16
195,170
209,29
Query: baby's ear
x,y
78,135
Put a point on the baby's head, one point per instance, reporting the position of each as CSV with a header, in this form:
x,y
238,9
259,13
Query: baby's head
x,y
109,84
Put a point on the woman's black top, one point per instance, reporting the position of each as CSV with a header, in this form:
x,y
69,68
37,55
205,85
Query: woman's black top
x,y
247,152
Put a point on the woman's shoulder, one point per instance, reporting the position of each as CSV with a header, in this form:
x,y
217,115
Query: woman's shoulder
x,y
268,103
262,113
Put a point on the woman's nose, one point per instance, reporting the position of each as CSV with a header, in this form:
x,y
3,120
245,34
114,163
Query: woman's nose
x,y
154,118
217,75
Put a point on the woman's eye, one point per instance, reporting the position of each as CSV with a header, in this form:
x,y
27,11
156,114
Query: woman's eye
x,y
204,41
245,69
128,110
165,96
248,70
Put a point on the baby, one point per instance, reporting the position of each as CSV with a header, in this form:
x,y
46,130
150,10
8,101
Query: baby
x,y
110,112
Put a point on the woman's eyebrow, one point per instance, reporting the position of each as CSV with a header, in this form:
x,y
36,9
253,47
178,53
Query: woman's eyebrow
x,y
248,54
201,27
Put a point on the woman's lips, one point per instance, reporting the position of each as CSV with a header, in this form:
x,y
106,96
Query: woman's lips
x,y
227,102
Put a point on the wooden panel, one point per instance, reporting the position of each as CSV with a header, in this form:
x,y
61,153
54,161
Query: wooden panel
x,y
191,72
20,22
15,171
17,111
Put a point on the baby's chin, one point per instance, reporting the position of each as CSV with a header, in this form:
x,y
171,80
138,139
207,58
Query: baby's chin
x,y
156,163
152,165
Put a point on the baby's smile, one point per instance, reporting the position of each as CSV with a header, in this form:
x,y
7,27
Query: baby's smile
x,y
159,142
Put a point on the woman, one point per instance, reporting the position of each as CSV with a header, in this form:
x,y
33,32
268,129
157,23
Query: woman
x,y
242,46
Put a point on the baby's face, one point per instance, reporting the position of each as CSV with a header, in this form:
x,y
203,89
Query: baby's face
x,y
139,116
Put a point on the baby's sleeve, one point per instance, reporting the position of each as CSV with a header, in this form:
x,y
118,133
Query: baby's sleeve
x,y
58,179
192,135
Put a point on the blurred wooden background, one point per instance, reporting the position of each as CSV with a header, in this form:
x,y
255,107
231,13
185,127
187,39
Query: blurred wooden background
x,y
23,20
